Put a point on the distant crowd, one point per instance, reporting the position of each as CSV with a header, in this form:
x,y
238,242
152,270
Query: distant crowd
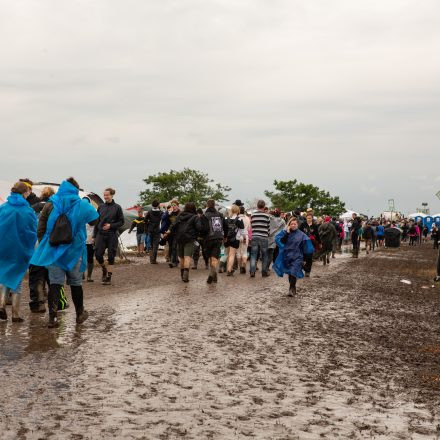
x,y
58,237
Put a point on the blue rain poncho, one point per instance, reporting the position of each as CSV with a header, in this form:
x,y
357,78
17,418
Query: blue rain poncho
x,y
79,212
291,257
18,235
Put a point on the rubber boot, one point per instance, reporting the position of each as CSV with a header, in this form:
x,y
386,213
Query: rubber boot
x,y
4,292
185,276
16,297
181,274
62,302
90,267
78,301
52,301
104,273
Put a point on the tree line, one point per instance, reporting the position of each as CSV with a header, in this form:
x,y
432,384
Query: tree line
x,y
195,186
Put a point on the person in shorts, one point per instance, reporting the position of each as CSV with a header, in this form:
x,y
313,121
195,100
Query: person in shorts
x,y
216,231
185,230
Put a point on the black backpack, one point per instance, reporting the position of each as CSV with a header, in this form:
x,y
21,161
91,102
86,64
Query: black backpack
x,y
61,232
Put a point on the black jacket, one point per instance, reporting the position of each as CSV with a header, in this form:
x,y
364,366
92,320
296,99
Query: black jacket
x,y
311,231
152,220
215,225
368,233
139,224
109,213
187,227
33,199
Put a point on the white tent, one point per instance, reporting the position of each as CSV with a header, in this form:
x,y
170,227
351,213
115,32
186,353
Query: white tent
x,y
347,215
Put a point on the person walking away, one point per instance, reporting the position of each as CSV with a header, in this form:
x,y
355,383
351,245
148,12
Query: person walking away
x,y
310,228
152,221
106,234
199,247
425,234
355,228
260,224
277,224
90,246
139,224
62,249
294,246
168,219
18,232
186,229
412,234
437,278
368,235
232,243
38,275
380,235
335,224
216,229
435,236
242,251
327,234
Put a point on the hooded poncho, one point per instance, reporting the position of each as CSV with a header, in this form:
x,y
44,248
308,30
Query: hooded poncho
x,y
291,257
18,232
79,212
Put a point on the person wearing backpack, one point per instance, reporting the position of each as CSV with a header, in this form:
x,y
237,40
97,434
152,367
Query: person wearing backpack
x,y
152,221
62,249
185,230
18,232
106,233
232,243
216,229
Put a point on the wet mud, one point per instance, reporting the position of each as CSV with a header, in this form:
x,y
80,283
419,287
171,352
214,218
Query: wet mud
x,y
355,355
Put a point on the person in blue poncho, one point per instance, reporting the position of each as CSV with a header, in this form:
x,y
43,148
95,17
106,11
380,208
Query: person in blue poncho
x,y
294,246
67,260
18,232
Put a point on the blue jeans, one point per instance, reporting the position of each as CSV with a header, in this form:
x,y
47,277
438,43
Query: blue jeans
x,y
259,244
58,275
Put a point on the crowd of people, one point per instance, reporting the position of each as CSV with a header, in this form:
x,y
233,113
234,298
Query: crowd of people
x,y
58,237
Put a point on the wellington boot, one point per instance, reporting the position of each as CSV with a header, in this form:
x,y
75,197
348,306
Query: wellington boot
x,y
185,276
3,293
16,297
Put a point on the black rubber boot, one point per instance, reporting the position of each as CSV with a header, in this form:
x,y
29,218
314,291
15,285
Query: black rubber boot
x,y
52,301
185,276
78,300
90,267
181,274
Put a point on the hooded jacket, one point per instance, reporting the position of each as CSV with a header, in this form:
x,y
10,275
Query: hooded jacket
x,y
294,246
187,227
18,232
79,212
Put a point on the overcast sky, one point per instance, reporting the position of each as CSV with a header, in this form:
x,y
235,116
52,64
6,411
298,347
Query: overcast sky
x,y
343,94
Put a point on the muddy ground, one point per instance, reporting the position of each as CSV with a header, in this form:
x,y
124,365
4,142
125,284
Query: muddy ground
x,y
355,355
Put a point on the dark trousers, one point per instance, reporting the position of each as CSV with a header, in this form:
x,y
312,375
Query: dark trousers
x,y
309,263
292,282
154,242
438,264
38,278
103,242
173,250
90,253
355,242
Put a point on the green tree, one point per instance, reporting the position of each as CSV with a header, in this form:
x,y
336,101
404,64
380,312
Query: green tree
x,y
290,195
186,185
